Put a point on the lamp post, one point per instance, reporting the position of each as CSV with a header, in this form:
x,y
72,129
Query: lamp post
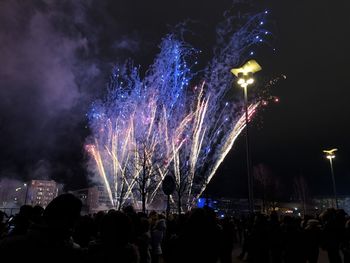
x,y
244,76
26,194
25,199
330,155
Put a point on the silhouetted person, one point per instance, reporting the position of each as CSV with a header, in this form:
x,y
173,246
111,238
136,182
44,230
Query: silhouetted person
x,y
22,220
259,244
292,240
3,226
129,210
346,242
275,237
84,231
312,235
246,237
37,214
333,230
200,240
227,239
157,234
113,245
50,241
143,241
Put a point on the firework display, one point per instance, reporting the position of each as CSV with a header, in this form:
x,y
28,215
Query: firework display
x,y
175,120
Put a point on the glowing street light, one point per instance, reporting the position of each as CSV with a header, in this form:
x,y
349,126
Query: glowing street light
x,y
245,78
330,155
245,73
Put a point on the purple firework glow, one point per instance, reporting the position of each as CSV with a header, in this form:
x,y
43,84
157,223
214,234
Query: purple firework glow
x,y
163,124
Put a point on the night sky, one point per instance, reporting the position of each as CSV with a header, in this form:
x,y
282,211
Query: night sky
x,y
56,57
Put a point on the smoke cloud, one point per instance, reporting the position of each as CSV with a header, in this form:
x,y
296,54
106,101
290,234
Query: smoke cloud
x,y
55,57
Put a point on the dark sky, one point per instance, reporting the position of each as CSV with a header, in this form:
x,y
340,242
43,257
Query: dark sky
x,y
313,39
56,56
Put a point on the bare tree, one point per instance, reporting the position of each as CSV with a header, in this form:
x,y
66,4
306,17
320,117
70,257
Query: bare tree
x,y
149,176
268,186
122,193
301,191
181,186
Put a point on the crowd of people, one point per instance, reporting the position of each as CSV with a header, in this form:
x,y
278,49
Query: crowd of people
x,y
60,233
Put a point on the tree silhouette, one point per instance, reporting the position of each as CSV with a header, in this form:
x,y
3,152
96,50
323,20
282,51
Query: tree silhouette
x,y
301,191
268,186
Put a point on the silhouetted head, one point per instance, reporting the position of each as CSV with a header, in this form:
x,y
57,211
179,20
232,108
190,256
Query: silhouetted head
x,y
144,225
63,212
287,220
199,220
115,228
260,220
22,220
129,210
153,217
161,216
2,216
38,210
274,216
37,214
142,215
26,211
329,215
341,214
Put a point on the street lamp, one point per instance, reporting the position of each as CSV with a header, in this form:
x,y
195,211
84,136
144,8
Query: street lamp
x,y
26,194
245,78
330,155
25,199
